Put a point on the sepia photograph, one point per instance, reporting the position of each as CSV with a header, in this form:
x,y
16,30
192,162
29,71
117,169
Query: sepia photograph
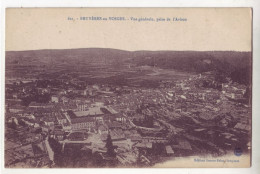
x,y
128,88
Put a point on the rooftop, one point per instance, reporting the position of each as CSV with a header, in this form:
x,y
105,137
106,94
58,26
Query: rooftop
x,y
90,111
82,120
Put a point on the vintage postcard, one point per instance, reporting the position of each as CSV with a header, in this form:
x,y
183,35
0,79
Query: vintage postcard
x,y
128,88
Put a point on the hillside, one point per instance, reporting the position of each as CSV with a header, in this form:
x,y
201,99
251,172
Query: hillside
x,y
237,65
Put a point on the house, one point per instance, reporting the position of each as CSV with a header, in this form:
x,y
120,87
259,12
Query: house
x,y
58,134
61,118
30,116
70,106
117,135
103,137
85,92
144,145
102,129
114,125
66,127
182,148
49,121
64,99
54,99
45,128
77,136
13,120
40,105
119,118
15,96
16,108
169,150
243,127
82,106
28,122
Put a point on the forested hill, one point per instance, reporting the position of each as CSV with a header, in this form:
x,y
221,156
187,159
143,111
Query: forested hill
x,y
236,65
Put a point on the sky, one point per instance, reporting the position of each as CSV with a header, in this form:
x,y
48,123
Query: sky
x,y
205,29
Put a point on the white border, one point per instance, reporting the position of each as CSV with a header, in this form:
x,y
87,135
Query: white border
x,y
255,4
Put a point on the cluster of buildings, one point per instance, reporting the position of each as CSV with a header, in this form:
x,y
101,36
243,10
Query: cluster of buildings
x,y
185,116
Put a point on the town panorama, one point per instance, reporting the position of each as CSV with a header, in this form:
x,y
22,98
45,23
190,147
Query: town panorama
x,y
97,107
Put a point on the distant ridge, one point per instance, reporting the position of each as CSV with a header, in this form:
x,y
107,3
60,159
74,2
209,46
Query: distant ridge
x,y
193,61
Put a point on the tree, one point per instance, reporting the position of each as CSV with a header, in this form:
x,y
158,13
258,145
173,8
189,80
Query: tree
x,y
139,162
57,149
13,125
110,147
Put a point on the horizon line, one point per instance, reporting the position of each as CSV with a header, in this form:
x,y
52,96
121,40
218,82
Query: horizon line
x,y
123,50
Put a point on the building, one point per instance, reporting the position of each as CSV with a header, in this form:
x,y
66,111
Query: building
x,y
169,150
119,118
58,134
49,121
61,118
64,100
40,105
82,123
82,106
16,108
18,154
102,129
86,120
54,99
66,127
